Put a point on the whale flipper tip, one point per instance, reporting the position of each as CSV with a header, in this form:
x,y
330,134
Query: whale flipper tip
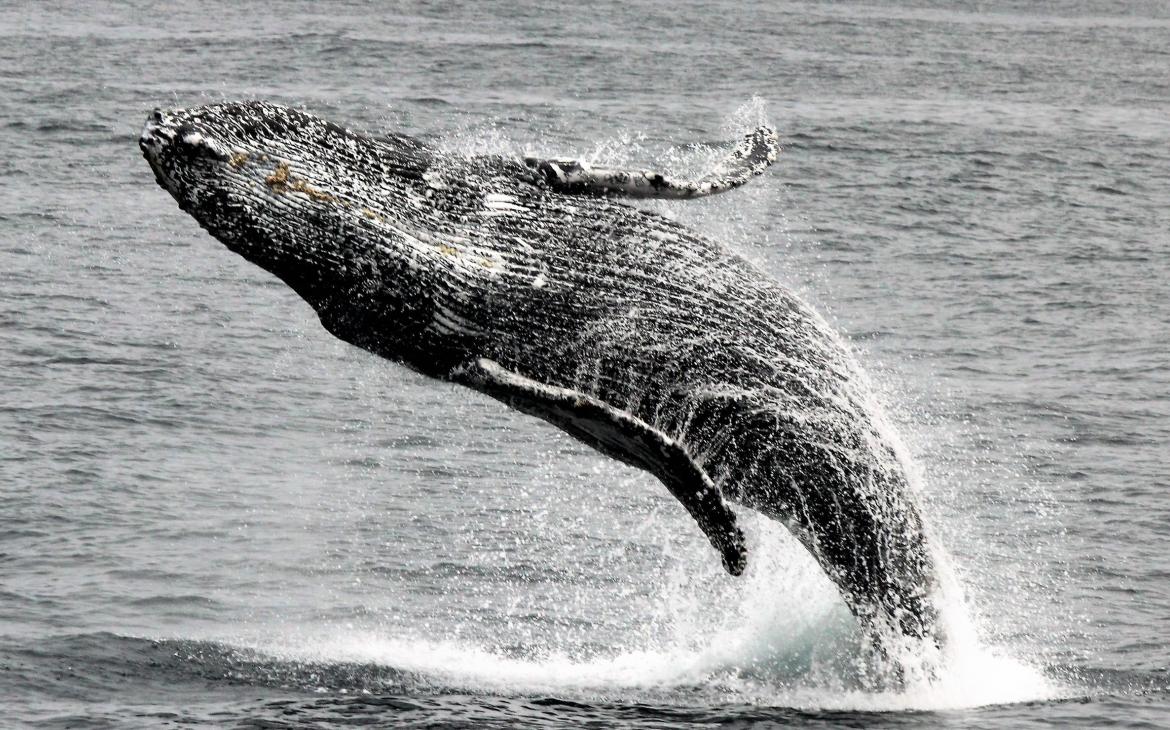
x,y
735,554
623,436
752,155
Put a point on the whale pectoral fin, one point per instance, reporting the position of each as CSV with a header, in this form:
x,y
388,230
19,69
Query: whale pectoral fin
x,y
750,157
623,436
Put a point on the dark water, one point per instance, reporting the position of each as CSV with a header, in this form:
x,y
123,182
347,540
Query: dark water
x,y
211,512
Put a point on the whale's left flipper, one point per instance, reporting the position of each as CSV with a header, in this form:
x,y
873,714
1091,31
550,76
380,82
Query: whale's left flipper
x,y
623,436
750,157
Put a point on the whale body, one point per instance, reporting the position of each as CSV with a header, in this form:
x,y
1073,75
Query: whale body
x,y
531,281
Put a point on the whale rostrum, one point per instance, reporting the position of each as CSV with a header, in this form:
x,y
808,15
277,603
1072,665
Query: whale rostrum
x,y
533,282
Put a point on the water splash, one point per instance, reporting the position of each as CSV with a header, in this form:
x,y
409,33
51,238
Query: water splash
x,y
781,636
778,637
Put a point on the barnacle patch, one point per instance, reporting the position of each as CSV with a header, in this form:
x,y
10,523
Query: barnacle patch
x,y
282,181
278,180
300,186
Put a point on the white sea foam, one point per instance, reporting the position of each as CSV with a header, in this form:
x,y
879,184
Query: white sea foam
x,y
779,637
730,668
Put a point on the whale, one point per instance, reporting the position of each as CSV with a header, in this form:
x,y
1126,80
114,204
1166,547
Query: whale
x,y
541,283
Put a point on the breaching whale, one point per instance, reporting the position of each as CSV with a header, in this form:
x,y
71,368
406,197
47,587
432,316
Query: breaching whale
x,y
529,280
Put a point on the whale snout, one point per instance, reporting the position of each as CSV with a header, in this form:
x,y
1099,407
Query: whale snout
x,y
178,147
159,131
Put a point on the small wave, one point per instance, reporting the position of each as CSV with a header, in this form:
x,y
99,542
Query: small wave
x,y
109,660
183,601
57,125
428,101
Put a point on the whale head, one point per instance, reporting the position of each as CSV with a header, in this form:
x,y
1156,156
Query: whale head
x,y
288,191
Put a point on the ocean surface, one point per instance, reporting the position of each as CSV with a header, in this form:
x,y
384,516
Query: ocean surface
x,y
213,513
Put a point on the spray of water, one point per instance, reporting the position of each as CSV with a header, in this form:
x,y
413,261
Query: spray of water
x,y
780,637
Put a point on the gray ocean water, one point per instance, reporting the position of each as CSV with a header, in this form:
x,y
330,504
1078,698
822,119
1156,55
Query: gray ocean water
x,y
212,513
